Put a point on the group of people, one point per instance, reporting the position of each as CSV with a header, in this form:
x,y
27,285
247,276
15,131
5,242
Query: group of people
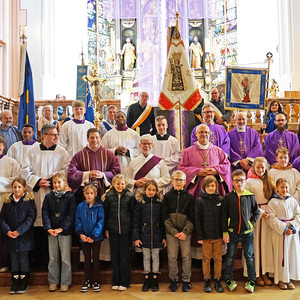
x,y
115,183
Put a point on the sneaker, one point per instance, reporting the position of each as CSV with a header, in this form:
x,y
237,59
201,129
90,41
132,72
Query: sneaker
x,y
290,285
52,287
86,286
64,287
231,284
207,288
218,285
173,285
122,288
250,285
186,286
96,287
282,285
115,287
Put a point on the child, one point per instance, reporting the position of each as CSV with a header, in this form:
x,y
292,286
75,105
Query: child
x,y
285,223
89,227
148,232
58,212
119,205
16,220
261,184
284,169
209,230
240,212
177,214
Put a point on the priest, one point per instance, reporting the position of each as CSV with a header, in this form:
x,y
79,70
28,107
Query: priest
x,y
281,137
110,122
203,159
245,144
122,141
218,135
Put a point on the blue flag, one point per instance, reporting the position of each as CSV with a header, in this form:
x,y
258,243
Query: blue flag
x,y
27,107
90,113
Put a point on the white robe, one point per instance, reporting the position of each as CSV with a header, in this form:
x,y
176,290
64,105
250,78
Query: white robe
x,y
285,247
261,231
73,137
9,170
159,173
293,178
41,164
169,151
129,139
18,151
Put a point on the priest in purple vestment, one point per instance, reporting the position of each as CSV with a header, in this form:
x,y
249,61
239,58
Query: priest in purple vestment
x,y
218,135
245,144
93,163
203,159
281,137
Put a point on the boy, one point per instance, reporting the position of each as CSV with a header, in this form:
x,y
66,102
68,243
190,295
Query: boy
x,y
240,212
177,214
283,169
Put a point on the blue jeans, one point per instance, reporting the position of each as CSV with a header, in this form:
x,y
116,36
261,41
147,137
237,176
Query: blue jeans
x,y
59,266
19,262
247,245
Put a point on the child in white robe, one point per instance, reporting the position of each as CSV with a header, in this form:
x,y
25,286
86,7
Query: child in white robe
x,y
285,223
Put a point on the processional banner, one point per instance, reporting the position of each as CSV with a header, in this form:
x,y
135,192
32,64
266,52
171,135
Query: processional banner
x,y
245,88
81,90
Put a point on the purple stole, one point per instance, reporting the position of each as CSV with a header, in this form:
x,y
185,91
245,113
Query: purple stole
x,y
147,167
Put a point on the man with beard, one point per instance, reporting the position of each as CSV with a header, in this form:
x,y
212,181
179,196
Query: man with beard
x,y
281,137
10,132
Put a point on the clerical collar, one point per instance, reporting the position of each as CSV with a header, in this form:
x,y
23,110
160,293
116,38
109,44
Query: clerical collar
x,y
1,156
28,143
243,129
162,137
203,146
121,128
43,147
78,121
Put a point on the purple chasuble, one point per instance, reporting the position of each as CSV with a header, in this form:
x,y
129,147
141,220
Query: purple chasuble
x,y
195,158
218,137
277,139
296,163
147,167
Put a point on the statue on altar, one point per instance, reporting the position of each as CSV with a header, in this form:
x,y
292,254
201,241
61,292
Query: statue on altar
x,y
109,59
128,51
196,53
274,89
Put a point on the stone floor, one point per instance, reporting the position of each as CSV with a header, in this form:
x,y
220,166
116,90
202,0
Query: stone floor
x,y
134,292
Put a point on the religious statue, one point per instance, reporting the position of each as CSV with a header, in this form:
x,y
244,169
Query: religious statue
x,y
128,51
196,52
109,58
216,51
246,89
274,89
177,83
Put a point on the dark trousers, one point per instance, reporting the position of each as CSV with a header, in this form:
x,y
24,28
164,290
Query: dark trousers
x,y
91,270
4,260
19,262
120,258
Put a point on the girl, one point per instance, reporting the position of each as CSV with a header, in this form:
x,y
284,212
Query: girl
x,y
89,227
58,212
148,231
16,220
274,108
285,223
119,204
209,231
261,184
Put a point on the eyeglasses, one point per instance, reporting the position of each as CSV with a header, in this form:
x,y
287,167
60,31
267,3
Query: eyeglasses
x,y
53,134
179,180
204,132
208,112
147,144
239,180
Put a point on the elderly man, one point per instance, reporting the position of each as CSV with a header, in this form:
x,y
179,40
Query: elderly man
x,y
203,159
47,117
9,132
140,116
281,137
166,146
110,122
147,166
245,144
18,150
122,141
73,134
218,135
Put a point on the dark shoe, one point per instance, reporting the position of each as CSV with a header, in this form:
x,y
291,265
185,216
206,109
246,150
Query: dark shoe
x,y
207,288
173,286
218,285
154,282
231,284
147,282
24,283
186,286
86,286
15,283
96,287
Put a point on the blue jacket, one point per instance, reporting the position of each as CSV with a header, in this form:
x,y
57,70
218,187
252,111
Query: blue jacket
x,y
90,220
19,216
